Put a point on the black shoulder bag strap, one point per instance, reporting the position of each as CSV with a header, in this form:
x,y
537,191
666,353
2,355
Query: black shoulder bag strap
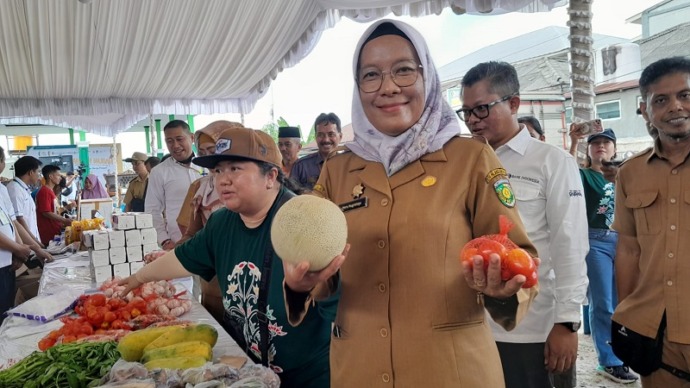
x,y
263,290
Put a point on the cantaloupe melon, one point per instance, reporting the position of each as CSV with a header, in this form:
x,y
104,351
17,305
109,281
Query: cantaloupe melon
x,y
311,229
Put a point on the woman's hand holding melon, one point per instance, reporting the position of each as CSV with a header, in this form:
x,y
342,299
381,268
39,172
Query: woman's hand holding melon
x,y
299,279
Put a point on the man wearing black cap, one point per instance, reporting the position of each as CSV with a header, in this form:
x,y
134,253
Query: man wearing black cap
x,y
328,135
289,144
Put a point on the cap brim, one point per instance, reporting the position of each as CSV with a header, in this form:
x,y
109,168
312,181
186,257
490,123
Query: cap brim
x,y
210,161
598,135
129,160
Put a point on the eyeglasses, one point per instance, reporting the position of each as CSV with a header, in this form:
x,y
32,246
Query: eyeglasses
x,y
402,74
481,111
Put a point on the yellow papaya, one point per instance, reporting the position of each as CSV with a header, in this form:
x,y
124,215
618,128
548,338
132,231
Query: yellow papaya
x,y
176,363
182,349
132,345
200,332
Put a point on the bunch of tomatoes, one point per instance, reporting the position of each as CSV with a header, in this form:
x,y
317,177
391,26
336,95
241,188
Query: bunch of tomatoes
x,y
96,314
514,260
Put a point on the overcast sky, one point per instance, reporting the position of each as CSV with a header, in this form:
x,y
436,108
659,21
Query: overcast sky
x,y
322,82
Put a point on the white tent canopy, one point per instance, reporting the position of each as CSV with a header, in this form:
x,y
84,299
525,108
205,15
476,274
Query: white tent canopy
x,y
102,66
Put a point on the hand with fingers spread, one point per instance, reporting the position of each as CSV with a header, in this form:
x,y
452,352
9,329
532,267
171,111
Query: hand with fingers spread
x,y
299,279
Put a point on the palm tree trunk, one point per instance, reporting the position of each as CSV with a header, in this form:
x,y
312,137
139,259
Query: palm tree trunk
x,y
581,63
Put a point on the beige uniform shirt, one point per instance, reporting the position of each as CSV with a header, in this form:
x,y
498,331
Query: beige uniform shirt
x,y
406,316
135,189
653,205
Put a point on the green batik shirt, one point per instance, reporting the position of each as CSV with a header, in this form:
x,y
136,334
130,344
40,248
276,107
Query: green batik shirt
x,y
226,247
599,196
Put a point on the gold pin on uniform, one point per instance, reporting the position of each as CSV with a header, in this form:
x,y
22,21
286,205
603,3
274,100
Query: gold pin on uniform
x,y
429,180
357,191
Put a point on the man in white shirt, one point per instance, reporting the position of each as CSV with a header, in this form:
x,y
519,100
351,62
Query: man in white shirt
x,y
550,199
27,173
169,182
10,245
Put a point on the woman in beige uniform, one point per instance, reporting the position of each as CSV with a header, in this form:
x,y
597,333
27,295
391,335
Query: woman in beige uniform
x,y
414,193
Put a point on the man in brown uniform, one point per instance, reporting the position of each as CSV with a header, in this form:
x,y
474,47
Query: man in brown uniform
x,y
134,198
653,220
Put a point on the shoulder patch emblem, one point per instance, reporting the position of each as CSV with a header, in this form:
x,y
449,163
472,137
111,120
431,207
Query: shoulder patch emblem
x,y
498,177
496,172
504,192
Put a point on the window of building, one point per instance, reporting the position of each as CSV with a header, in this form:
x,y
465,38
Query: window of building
x,y
568,116
610,110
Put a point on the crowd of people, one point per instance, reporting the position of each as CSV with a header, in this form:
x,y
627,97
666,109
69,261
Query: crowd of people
x,y
396,306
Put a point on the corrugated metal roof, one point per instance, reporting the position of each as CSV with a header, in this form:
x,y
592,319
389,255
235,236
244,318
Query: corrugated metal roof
x,y
671,42
542,42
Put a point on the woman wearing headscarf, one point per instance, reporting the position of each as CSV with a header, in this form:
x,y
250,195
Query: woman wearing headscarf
x,y
414,192
201,200
93,188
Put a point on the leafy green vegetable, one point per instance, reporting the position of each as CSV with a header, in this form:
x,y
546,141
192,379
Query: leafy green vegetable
x,y
68,365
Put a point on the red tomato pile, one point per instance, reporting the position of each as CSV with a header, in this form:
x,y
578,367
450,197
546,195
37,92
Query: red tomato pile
x,y
97,314
514,260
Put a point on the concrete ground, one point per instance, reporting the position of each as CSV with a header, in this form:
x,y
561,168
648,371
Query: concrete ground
x,y
587,364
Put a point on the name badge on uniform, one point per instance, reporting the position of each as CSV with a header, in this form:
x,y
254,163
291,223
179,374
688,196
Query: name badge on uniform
x,y
356,204
4,218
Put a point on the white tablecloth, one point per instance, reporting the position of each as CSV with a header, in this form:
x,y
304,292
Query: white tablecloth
x,y
73,271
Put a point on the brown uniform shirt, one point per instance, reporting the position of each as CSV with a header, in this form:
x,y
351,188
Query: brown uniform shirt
x,y
406,316
135,189
653,205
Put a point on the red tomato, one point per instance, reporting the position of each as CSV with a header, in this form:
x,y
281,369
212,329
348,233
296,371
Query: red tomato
x,y
97,300
519,262
481,247
109,316
46,343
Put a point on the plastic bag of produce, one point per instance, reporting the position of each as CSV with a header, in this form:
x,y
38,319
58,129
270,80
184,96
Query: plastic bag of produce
x,y
45,308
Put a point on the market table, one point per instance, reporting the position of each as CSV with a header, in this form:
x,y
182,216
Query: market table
x,y
19,336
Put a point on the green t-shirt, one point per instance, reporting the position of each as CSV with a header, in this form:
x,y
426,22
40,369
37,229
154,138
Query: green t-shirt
x,y
600,198
226,247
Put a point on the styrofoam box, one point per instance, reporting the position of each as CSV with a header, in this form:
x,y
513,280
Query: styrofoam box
x,y
121,270
149,236
135,266
103,273
118,255
96,239
132,238
124,221
134,254
117,238
148,248
99,258
143,220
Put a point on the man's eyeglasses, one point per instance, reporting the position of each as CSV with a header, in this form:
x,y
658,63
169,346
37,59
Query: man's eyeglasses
x,y
402,74
480,111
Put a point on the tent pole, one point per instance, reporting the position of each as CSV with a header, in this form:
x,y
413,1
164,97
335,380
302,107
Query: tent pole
x,y
190,121
84,153
117,180
147,131
159,142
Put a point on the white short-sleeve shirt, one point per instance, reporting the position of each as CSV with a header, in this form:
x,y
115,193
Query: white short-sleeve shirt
x,y
23,204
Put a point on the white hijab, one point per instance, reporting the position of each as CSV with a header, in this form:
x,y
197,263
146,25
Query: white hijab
x,y
437,125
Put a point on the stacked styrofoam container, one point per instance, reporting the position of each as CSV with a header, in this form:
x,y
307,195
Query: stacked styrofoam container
x,y
120,251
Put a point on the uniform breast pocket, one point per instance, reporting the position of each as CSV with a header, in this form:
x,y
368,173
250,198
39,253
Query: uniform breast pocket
x,y
529,197
646,211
